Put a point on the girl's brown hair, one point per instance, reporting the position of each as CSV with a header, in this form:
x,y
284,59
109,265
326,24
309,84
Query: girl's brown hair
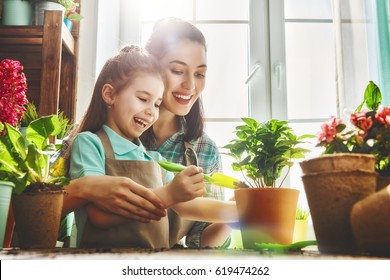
x,y
166,33
119,71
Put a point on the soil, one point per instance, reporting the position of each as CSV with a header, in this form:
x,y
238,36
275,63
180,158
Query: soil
x,y
42,187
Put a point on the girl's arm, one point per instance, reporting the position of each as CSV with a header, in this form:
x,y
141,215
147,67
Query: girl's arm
x,y
207,210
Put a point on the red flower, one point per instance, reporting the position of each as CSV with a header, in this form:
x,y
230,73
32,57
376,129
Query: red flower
x,y
383,115
13,89
360,120
329,130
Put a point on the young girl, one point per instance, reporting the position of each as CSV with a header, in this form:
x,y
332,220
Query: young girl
x,y
125,102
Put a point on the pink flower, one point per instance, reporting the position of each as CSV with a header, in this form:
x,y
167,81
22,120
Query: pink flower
x,y
13,89
383,115
361,121
329,130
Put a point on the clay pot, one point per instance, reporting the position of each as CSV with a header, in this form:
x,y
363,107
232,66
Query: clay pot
x,y
371,223
331,196
37,217
267,215
339,162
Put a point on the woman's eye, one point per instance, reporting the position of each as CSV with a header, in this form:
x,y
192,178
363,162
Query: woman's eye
x,y
142,99
157,105
200,75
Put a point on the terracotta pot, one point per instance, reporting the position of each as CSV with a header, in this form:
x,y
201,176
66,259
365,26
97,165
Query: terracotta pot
x,y
267,215
330,196
339,162
37,217
382,182
370,223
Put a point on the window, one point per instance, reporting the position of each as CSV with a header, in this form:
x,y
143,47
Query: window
x,y
266,59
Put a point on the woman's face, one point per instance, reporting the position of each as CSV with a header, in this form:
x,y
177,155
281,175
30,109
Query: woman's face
x,y
185,68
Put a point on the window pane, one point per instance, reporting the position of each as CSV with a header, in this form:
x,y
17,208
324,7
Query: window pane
x,y
156,9
227,9
310,62
308,9
355,61
226,95
352,9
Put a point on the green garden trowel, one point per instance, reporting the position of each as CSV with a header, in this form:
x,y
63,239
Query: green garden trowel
x,y
215,178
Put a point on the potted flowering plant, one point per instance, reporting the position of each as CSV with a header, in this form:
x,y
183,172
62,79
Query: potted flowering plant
x,y
262,151
368,133
13,89
345,174
24,161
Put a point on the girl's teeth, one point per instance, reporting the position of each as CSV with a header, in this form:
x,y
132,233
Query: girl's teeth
x,y
141,122
186,97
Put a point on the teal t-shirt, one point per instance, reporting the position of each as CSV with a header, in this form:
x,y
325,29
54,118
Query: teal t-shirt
x,y
88,158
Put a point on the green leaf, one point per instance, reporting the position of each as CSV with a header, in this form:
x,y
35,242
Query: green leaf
x,y
372,96
41,129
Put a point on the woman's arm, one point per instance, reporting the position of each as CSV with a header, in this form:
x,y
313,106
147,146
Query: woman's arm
x,y
207,210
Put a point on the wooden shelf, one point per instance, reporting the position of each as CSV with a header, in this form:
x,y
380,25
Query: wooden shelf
x,y
49,55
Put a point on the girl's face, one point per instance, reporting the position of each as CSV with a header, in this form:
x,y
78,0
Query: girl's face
x,y
136,107
185,67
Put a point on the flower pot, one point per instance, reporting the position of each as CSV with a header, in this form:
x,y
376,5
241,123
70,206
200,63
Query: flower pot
x,y
371,223
267,215
37,217
5,198
42,6
68,24
300,230
330,196
17,12
340,162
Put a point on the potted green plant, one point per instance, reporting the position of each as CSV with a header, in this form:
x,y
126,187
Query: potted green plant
x,y
38,194
262,151
68,8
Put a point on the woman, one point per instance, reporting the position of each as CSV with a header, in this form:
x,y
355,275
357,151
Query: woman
x,y
178,134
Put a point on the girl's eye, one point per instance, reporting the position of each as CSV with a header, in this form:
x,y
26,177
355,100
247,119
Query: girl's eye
x,y
177,72
142,99
157,105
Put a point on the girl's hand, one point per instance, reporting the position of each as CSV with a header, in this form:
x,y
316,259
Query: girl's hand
x,y
187,185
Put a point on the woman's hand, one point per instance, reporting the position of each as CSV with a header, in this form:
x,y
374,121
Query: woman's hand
x,y
117,195
186,185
